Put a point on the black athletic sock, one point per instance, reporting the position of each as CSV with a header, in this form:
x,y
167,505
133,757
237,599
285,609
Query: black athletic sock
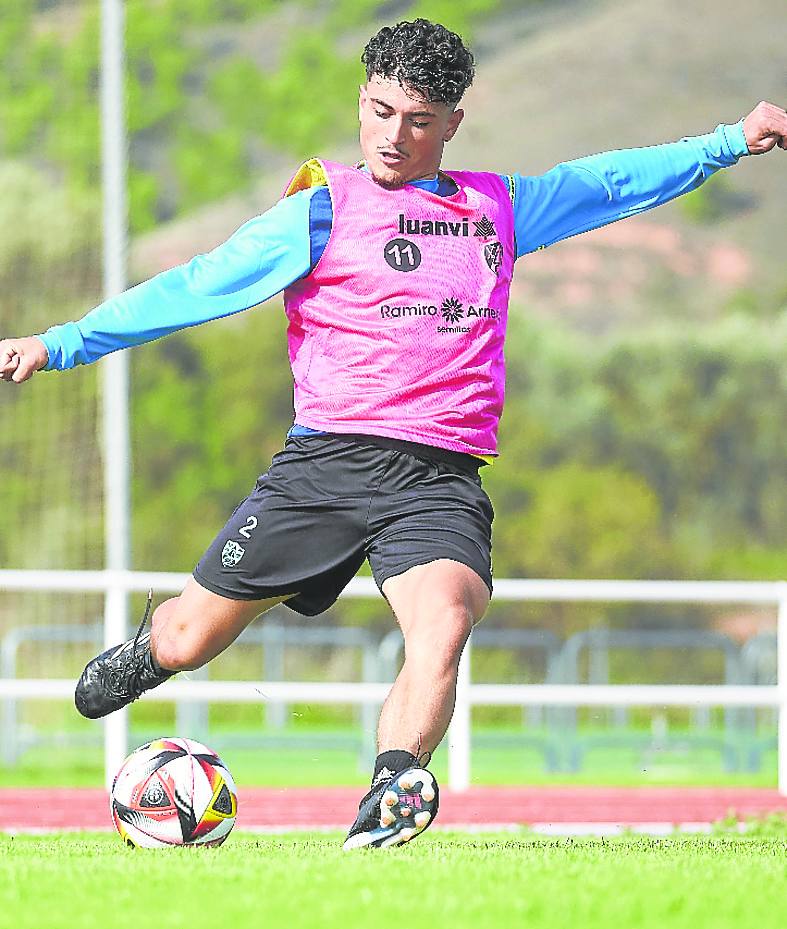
x,y
392,762
155,667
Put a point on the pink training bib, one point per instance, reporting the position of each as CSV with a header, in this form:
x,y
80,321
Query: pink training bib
x,y
399,329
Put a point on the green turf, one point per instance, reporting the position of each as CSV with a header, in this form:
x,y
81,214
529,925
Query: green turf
x,y
441,880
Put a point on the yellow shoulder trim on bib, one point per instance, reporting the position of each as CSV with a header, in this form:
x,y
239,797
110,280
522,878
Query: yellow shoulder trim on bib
x,y
310,174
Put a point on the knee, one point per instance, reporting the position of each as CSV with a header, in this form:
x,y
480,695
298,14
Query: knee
x,y
173,653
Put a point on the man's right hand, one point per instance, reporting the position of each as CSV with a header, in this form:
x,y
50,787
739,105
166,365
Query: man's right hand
x,y
21,358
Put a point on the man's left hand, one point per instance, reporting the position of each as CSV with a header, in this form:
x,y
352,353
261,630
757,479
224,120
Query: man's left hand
x,y
765,127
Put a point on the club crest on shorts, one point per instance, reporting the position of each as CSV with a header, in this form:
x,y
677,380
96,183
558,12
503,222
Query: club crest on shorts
x,y
493,252
231,554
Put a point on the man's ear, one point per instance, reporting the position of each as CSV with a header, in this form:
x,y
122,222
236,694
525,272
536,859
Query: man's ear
x,y
453,124
361,99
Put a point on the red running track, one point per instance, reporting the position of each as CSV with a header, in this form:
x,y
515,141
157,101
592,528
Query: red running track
x,y
299,808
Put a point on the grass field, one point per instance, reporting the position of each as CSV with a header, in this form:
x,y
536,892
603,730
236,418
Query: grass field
x,y
82,881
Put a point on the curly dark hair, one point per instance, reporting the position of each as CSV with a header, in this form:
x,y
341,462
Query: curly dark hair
x,y
425,56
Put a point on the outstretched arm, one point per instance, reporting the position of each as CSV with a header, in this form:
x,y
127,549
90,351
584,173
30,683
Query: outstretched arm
x,y
580,195
263,257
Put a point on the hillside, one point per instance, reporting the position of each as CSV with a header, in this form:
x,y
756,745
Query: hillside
x,y
574,78
622,74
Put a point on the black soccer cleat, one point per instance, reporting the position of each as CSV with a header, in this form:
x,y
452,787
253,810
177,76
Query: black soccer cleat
x,y
395,811
119,675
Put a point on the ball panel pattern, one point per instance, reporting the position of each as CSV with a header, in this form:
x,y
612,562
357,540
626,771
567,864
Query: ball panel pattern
x,y
173,791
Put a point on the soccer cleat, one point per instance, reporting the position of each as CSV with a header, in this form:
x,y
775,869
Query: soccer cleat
x,y
119,675
395,810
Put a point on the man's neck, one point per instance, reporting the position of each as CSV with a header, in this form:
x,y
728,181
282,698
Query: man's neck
x,y
415,180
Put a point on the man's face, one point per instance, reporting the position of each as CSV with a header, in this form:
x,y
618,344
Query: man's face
x,y
402,134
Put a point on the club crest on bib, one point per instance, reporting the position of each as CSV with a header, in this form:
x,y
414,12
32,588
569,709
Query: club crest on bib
x,y
231,554
493,252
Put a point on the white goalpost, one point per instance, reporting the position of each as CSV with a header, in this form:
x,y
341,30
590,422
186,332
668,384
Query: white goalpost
x,y
115,368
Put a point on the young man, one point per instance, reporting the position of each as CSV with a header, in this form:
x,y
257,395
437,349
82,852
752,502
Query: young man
x,y
395,278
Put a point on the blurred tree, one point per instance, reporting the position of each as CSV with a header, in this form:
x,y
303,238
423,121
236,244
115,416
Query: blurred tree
x,y
49,248
197,117
50,489
654,457
581,522
211,407
698,415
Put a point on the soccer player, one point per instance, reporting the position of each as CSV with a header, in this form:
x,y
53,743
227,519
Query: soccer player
x,y
395,277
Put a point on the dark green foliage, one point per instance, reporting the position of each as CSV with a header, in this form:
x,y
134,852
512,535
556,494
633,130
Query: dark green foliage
x,y
713,433
211,406
49,258
658,455
199,109
310,102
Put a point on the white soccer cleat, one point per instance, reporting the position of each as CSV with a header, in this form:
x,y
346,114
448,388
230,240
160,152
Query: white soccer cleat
x,y
396,811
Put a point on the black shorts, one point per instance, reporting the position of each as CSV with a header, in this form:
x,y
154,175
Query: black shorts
x,y
330,501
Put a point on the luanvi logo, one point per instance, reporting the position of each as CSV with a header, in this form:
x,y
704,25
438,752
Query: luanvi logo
x,y
484,227
432,227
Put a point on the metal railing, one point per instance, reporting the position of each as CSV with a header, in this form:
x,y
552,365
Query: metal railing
x,y
468,695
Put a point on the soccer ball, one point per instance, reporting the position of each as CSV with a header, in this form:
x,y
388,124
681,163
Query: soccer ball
x,y
173,792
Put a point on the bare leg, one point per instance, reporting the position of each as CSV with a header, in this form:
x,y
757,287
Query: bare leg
x,y
191,629
436,605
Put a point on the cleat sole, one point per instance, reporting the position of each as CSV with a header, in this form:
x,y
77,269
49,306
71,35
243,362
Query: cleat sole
x,y
407,807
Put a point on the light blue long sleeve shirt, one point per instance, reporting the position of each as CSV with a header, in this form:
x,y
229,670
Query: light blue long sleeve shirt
x,y
276,248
